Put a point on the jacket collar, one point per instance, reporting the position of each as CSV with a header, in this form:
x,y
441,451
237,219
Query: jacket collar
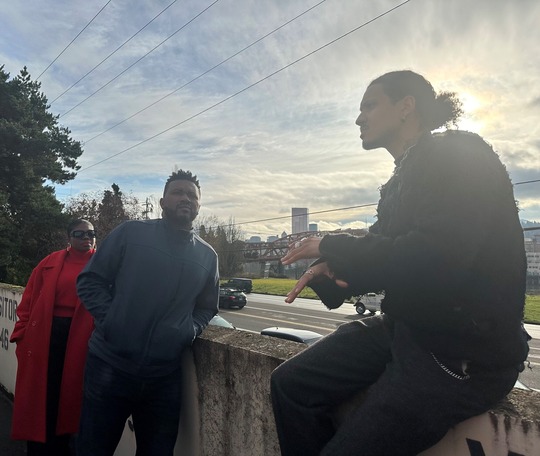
x,y
182,235
420,143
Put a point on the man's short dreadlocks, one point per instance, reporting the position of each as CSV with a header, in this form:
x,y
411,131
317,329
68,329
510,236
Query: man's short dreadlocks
x,y
181,175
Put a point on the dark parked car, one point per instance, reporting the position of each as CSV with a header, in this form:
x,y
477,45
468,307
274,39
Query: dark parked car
x,y
245,285
230,297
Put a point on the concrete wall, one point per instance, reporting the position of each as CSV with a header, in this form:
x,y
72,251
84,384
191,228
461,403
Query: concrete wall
x,y
227,409
233,369
10,296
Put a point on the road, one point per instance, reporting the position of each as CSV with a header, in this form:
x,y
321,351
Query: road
x,y
263,311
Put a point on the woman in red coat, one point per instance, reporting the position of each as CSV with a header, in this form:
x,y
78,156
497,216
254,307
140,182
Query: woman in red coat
x,y
52,335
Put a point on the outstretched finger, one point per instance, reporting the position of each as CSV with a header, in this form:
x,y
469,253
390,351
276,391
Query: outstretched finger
x,y
291,257
303,249
300,285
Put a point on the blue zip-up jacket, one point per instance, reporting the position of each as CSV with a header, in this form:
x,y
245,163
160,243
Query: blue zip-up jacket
x,y
151,290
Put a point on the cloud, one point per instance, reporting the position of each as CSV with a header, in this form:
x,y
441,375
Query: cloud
x,y
535,103
289,139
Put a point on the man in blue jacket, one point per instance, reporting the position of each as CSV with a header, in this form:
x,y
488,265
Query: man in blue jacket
x,y
152,287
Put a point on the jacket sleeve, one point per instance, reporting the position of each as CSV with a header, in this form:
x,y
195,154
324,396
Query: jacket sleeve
x,y
206,305
25,307
446,208
95,282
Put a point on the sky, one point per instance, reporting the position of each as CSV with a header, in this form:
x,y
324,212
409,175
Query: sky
x,y
259,98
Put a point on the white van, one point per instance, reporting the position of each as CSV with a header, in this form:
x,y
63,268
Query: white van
x,y
370,302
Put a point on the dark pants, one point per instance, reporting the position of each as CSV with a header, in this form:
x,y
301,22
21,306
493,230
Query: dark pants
x,y
411,401
111,396
56,445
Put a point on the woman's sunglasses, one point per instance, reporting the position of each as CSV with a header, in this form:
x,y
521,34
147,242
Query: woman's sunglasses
x,y
79,234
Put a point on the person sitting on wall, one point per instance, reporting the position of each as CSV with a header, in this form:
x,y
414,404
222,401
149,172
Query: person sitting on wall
x,y
448,251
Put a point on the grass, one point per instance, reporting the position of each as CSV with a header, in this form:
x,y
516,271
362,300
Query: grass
x,y
280,287
532,309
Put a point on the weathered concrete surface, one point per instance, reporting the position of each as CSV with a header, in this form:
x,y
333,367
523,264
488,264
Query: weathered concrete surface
x,y
510,428
233,371
521,405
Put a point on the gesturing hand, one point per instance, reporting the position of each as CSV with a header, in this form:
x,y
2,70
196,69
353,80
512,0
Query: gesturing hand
x,y
307,248
312,274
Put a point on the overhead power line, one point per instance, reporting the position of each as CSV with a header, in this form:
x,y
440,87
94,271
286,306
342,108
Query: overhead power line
x,y
527,182
114,52
310,213
205,73
342,209
138,60
71,42
245,88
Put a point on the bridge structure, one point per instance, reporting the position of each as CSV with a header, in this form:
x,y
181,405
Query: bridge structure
x,y
275,250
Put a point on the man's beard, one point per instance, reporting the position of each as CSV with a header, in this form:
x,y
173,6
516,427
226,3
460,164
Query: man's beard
x,y
369,145
374,143
185,220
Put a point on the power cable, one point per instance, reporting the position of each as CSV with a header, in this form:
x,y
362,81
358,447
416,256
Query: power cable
x,y
114,52
335,210
203,74
71,42
310,213
141,58
245,88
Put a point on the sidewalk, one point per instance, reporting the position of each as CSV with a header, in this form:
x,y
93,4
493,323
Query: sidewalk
x,y
8,447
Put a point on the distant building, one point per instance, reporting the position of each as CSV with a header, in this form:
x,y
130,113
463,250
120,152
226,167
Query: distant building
x,y
532,249
271,238
299,219
254,239
313,227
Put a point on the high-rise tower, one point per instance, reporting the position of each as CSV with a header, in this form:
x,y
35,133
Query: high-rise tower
x,y
299,219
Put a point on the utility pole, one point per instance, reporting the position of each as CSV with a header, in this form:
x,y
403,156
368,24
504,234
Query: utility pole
x,y
149,208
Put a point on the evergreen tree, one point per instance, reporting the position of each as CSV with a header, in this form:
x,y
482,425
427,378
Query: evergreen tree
x,y
111,211
35,151
105,210
226,241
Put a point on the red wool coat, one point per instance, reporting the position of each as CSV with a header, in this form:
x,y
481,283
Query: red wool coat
x,y
32,335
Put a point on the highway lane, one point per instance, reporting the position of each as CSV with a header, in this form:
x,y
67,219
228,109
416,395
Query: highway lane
x,y
263,311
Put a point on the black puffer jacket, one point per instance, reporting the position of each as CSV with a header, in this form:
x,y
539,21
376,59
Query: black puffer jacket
x,y
447,249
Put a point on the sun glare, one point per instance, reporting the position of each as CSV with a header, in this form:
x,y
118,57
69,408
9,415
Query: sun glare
x,y
471,119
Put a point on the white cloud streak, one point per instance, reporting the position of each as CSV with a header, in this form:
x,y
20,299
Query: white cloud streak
x,y
289,140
